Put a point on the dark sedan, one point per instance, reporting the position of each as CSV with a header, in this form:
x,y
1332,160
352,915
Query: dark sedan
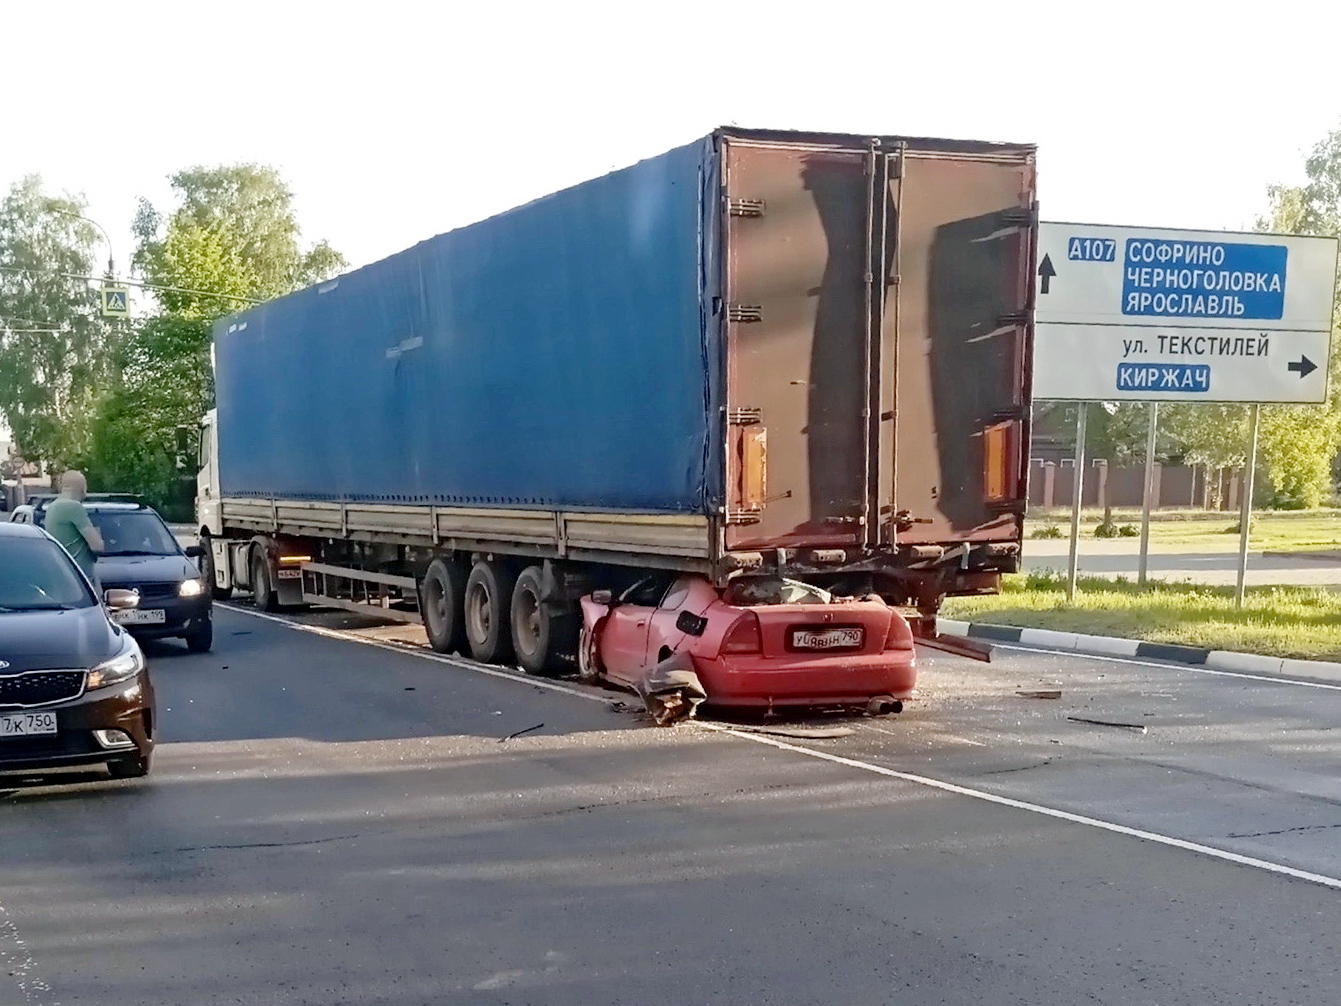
x,y
74,687
140,553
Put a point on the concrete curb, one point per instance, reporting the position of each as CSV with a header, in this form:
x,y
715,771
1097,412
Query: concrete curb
x,y
1217,660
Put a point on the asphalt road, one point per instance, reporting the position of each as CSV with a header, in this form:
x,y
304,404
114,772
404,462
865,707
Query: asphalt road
x,y
334,822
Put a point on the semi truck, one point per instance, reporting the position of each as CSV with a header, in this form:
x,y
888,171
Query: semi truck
x,y
782,356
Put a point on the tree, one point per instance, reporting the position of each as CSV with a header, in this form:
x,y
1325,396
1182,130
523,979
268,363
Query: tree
x,y
231,240
55,352
1299,443
166,383
235,224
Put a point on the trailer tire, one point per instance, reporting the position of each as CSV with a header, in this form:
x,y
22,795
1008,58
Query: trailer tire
x,y
541,637
441,596
262,590
487,604
207,570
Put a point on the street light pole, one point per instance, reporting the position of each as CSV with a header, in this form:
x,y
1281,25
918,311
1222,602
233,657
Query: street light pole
x,y
111,257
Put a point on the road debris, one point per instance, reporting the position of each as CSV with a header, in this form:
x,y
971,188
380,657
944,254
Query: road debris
x,y
520,732
671,690
1042,693
1138,727
803,733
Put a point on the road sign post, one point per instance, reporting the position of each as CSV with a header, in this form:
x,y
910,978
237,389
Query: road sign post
x,y
1148,495
1077,495
1246,508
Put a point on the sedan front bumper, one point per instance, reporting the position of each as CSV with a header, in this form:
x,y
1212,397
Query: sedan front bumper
x,y
128,707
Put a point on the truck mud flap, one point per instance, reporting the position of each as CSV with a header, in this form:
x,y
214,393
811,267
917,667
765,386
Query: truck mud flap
x,y
960,646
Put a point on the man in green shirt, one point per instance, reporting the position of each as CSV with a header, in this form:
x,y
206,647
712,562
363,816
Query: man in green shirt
x,y
67,521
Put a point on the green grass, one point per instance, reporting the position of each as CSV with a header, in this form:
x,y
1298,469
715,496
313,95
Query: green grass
x,y
1279,531
1278,621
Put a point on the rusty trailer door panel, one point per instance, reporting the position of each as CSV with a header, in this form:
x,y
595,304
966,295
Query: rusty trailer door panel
x,y
796,226
960,333
876,299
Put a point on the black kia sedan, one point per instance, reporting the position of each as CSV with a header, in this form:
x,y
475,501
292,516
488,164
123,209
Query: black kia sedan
x,y
74,686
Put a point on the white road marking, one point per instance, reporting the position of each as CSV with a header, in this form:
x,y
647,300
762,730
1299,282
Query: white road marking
x,y
520,677
19,964
863,766
1170,666
1034,808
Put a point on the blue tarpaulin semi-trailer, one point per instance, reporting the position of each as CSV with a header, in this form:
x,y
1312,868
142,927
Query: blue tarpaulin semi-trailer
x,y
781,353
562,354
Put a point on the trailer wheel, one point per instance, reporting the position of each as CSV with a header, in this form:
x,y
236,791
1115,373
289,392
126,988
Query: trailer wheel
x,y
262,590
487,603
440,601
541,637
207,570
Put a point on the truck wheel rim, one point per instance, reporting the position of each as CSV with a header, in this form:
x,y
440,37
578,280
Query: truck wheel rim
x,y
480,616
526,620
437,603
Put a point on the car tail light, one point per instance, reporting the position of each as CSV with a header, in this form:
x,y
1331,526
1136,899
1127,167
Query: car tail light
x,y
744,636
900,635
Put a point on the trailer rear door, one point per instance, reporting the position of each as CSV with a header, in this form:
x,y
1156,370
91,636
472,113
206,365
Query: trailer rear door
x,y
876,300
960,331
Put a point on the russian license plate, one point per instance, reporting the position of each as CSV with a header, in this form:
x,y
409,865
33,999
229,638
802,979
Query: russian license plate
x,y
826,639
27,724
290,574
140,616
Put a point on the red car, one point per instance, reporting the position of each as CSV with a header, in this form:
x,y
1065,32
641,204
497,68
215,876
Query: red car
x,y
762,643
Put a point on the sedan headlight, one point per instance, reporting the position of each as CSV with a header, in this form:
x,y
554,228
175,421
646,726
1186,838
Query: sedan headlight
x,y
121,668
191,588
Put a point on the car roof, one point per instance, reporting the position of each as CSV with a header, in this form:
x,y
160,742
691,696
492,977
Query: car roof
x,y
8,530
107,503
107,506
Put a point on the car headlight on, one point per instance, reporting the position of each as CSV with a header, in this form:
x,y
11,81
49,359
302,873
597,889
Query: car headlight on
x,y
121,668
191,588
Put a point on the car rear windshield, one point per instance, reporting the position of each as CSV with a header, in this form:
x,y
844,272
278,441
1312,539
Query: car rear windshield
x,y
756,590
37,575
136,533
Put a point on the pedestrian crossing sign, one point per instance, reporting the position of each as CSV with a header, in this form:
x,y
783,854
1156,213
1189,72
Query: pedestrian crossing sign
x,y
115,302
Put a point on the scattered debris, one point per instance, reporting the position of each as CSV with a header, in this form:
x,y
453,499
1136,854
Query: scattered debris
x,y
1044,693
520,732
804,733
1138,727
671,690
409,688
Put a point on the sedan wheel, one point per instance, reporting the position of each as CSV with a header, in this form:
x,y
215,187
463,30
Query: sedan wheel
x,y
589,667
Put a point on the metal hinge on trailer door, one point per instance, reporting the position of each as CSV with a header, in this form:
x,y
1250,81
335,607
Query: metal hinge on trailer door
x,y
1021,216
744,313
745,207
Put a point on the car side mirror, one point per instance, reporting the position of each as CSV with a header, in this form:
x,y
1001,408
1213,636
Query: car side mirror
x,y
194,551
121,600
604,597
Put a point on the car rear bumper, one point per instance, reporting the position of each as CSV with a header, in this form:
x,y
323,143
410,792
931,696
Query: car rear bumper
x,y
761,682
128,707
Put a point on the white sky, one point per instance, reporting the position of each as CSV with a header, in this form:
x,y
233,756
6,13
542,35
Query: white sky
x,y
394,121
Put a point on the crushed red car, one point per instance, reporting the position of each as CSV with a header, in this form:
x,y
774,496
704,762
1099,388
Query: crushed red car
x,y
762,643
